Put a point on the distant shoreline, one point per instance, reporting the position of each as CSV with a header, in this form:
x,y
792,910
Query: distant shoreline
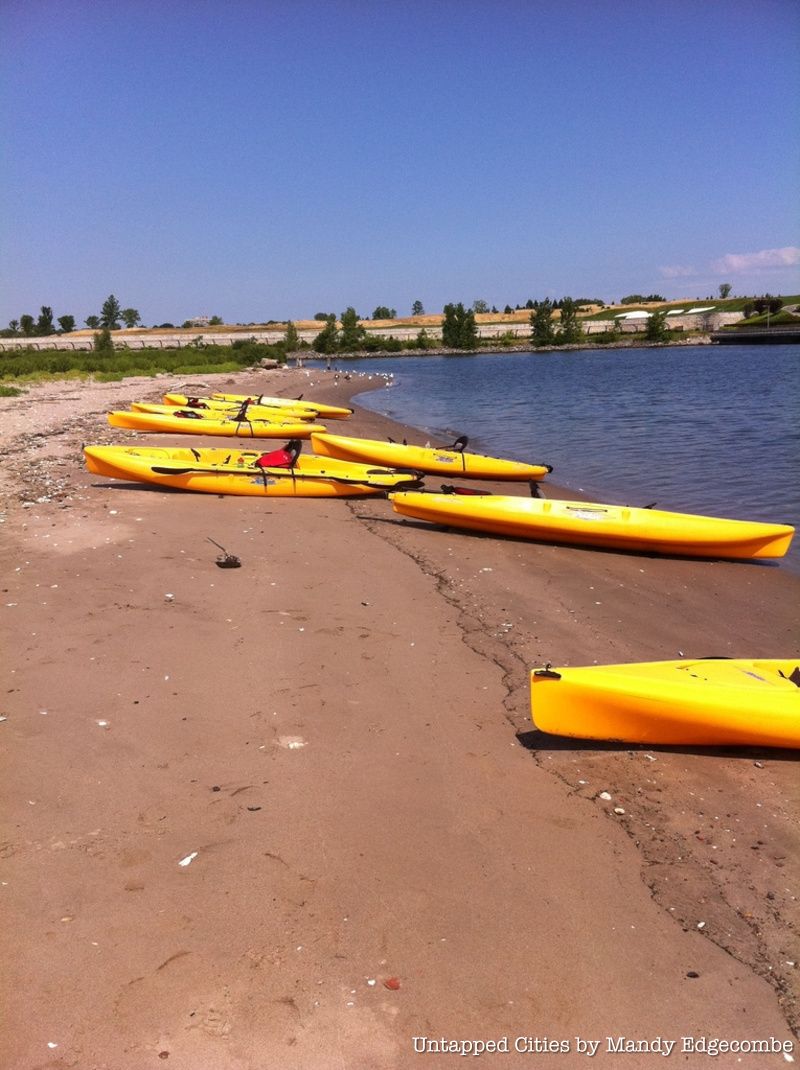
x,y
522,347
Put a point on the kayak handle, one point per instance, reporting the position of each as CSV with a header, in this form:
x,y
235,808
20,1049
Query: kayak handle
x,y
547,673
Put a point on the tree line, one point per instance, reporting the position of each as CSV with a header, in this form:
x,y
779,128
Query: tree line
x,y
459,329
110,316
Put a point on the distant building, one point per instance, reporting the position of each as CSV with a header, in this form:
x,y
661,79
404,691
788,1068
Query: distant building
x,y
199,321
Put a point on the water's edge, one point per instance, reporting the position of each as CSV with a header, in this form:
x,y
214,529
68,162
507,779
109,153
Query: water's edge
x,y
704,431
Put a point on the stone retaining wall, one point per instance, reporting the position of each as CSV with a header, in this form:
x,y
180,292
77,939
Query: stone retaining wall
x,y
182,338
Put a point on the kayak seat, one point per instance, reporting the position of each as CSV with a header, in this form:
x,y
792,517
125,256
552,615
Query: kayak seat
x,y
283,458
187,414
275,459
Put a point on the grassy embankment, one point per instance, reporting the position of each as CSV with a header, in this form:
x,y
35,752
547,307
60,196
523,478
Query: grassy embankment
x,y
767,319
31,365
730,304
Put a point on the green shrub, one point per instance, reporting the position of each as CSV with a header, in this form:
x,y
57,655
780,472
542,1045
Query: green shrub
x,y
60,363
201,369
110,365
130,373
377,343
507,338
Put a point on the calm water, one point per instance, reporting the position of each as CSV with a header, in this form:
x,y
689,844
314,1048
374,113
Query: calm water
x,y
705,429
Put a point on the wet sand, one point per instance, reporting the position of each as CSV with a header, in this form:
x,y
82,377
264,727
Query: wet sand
x,y
296,814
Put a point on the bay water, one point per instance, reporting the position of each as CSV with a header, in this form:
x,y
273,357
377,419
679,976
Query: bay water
x,y
698,429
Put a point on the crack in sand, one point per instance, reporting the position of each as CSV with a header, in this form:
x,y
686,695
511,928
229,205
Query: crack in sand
x,y
514,669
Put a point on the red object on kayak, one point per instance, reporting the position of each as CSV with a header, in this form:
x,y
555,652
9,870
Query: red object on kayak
x,y
283,458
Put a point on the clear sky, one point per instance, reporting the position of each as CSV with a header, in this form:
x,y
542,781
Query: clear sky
x,y
273,159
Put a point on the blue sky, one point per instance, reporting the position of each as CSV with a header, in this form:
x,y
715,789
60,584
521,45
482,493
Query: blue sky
x,y
264,160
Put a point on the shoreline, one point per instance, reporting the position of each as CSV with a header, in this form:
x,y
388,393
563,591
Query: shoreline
x,y
341,730
526,347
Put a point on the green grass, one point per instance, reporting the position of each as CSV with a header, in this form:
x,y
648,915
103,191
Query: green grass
x,y
775,319
121,364
738,303
731,304
10,391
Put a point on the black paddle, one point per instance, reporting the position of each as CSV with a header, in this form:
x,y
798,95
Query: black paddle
x,y
290,472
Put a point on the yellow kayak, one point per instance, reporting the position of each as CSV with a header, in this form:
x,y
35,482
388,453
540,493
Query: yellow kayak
x,y
292,412
254,412
616,527
330,412
243,472
449,462
714,702
194,423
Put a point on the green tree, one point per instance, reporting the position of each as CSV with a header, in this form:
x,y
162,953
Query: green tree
x,y
571,328
747,310
323,316
657,326
638,299
328,338
450,327
417,309
382,312
27,324
44,324
103,342
13,326
479,305
458,327
66,323
353,334
110,313
292,338
215,321
467,330
423,339
543,333
724,290
93,322
130,317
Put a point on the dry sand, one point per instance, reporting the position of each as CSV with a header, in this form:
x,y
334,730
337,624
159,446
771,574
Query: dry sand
x,y
295,815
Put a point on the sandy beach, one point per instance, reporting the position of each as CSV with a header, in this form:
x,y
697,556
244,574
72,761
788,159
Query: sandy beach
x,y
296,815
